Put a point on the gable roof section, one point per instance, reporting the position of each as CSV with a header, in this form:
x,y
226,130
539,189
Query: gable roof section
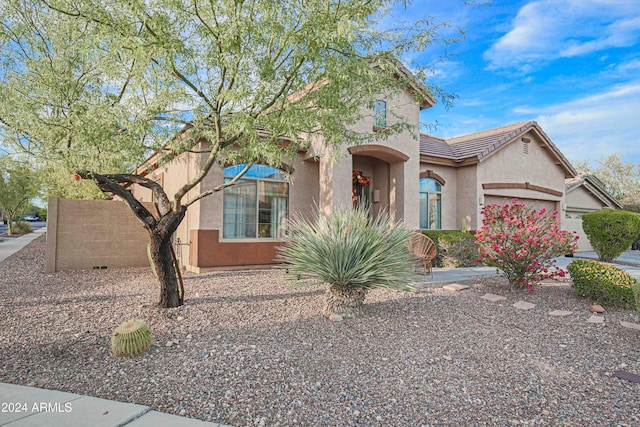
x,y
416,85
595,187
477,146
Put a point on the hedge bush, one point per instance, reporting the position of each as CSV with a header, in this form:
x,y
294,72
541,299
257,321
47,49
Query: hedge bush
x,y
603,282
455,248
611,231
636,293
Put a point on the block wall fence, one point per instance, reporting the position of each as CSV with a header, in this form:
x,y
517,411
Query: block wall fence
x,y
93,235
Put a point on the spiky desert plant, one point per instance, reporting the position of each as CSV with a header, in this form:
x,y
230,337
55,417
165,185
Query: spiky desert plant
x,y
352,253
131,338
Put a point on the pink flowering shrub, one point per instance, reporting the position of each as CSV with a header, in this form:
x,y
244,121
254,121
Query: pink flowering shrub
x,y
523,242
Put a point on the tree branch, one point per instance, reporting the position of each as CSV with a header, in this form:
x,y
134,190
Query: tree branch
x,y
219,187
111,184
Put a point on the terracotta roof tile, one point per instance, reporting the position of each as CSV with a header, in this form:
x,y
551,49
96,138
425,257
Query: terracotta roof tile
x,y
480,144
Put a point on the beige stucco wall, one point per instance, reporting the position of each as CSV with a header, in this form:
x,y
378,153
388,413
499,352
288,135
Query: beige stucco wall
x,y
94,234
581,200
400,192
467,201
510,164
449,197
321,177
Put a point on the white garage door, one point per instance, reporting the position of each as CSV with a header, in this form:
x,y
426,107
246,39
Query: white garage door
x,y
573,222
539,204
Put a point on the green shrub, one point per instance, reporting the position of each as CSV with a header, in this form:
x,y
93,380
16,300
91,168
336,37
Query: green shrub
x,y
611,231
22,227
455,248
603,282
636,293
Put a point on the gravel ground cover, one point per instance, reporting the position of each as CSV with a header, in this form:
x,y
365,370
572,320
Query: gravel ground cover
x,y
250,348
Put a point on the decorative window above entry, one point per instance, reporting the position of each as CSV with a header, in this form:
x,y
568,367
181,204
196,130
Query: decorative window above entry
x,y
380,119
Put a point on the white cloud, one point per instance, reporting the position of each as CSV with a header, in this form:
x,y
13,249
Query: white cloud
x,y
596,125
544,30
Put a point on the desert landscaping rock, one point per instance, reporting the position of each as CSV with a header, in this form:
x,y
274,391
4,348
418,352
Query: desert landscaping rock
x,y
630,325
596,309
261,353
492,297
560,313
524,305
455,287
595,319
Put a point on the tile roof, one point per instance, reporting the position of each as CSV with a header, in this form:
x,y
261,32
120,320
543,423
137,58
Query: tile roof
x,y
435,146
594,186
481,144
477,144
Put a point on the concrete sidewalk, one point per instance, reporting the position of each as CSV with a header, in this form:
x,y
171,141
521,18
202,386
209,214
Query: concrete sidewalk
x,y
29,406
629,261
10,245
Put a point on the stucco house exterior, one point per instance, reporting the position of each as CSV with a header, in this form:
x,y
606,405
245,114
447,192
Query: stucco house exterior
x,y
585,193
244,224
515,161
428,182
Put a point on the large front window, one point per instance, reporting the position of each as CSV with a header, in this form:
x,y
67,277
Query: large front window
x,y
430,204
257,206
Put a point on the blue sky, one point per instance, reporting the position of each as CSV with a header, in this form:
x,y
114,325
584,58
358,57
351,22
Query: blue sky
x,y
571,65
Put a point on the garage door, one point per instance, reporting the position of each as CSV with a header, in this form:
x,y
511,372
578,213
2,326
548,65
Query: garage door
x,y
550,206
573,222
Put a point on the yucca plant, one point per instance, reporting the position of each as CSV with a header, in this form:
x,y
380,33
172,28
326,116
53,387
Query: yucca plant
x,y
352,253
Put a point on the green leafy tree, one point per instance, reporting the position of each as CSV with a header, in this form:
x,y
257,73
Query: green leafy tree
x,y
620,178
18,186
87,84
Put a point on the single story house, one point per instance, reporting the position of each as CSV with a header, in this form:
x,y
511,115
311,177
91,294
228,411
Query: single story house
x,y
585,193
426,181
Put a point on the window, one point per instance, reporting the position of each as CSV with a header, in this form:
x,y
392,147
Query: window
x,y
257,206
430,204
380,119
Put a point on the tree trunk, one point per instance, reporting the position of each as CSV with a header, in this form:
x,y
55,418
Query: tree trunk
x,y
162,256
160,230
344,302
165,269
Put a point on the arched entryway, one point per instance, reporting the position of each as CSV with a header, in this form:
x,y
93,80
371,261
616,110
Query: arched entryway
x,y
380,167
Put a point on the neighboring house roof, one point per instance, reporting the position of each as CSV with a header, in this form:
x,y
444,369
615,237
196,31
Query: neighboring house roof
x,y
595,187
475,147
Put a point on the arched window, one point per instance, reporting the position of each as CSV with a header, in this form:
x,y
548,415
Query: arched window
x,y
430,204
257,206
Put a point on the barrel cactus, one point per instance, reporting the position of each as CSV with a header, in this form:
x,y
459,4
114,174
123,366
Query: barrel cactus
x,y
131,338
